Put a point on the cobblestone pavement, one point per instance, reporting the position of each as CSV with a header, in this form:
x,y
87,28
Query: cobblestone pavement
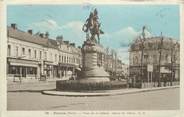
x,y
167,99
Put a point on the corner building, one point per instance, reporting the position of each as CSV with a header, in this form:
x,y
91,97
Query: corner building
x,y
169,60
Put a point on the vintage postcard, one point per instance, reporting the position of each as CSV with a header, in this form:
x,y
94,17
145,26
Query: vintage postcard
x,y
92,59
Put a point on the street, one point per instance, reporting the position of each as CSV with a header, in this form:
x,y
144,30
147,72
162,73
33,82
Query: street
x,y
167,99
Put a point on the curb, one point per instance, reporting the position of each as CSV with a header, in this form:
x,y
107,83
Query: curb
x,y
30,90
110,93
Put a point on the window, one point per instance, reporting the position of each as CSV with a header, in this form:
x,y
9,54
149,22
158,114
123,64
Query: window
x,y
31,70
29,51
17,51
154,59
23,51
73,60
59,58
65,59
51,56
35,54
40,55
9,50
55,57
145,58
166,57
13,70
135,60
45,55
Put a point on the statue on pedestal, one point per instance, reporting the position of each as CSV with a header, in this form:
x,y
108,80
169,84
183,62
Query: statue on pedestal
x,y
92,52
92,25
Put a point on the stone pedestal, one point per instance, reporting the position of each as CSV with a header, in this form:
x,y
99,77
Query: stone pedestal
x,y
93,54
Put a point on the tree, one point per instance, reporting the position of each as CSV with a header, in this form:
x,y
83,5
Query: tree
x,y
142,52
173,57
160,57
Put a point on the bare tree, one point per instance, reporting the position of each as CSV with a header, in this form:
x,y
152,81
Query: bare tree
x,y
160,57
173,57
142,52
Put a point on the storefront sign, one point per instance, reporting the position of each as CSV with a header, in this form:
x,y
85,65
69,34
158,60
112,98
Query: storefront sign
x,y
150,68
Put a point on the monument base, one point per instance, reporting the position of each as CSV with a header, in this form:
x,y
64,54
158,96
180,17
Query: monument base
x,y
96,74
93,63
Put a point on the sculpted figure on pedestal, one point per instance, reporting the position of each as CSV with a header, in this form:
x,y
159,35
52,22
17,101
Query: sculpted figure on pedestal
x,y
92,25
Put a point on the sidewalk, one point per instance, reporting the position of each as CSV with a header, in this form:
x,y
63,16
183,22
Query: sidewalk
x,y
29,81
106,92
31,86
48,87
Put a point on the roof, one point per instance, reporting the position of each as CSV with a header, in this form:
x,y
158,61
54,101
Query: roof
x,y
154,43
36,39
24,36
52,43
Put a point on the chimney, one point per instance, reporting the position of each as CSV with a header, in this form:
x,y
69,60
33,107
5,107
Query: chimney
x,y
47,35
72,44
14,26
66,42
41,35
59,38
30,31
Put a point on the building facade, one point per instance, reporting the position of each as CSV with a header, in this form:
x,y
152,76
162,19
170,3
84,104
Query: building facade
x,y
35,55
113,65
154,59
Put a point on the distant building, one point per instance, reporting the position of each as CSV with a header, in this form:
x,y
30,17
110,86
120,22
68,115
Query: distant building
x,y
32,55
125,70
113,65
167,51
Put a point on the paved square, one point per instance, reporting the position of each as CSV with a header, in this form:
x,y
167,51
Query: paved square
x,y
167,99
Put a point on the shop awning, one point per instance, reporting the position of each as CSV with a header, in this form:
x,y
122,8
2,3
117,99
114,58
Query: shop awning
x,y
24,64
78,68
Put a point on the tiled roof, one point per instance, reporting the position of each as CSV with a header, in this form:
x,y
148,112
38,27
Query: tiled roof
x,y
24,36
52,43
153,43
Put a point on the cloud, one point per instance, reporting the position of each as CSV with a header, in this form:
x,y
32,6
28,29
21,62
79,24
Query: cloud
x,y
121,40
123,37
74,25
45,25
73,31
126,35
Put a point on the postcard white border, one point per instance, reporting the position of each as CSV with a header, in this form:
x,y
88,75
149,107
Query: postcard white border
x,y
3,43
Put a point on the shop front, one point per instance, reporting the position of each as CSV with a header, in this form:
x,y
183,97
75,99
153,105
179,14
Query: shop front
x,y
23,68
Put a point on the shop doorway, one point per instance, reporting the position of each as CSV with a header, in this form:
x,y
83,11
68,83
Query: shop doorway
x,y
24,72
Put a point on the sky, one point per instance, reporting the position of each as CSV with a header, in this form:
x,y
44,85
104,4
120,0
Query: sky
x,y
121,23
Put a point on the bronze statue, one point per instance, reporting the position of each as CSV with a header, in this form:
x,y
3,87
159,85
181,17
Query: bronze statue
x,y
92,25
